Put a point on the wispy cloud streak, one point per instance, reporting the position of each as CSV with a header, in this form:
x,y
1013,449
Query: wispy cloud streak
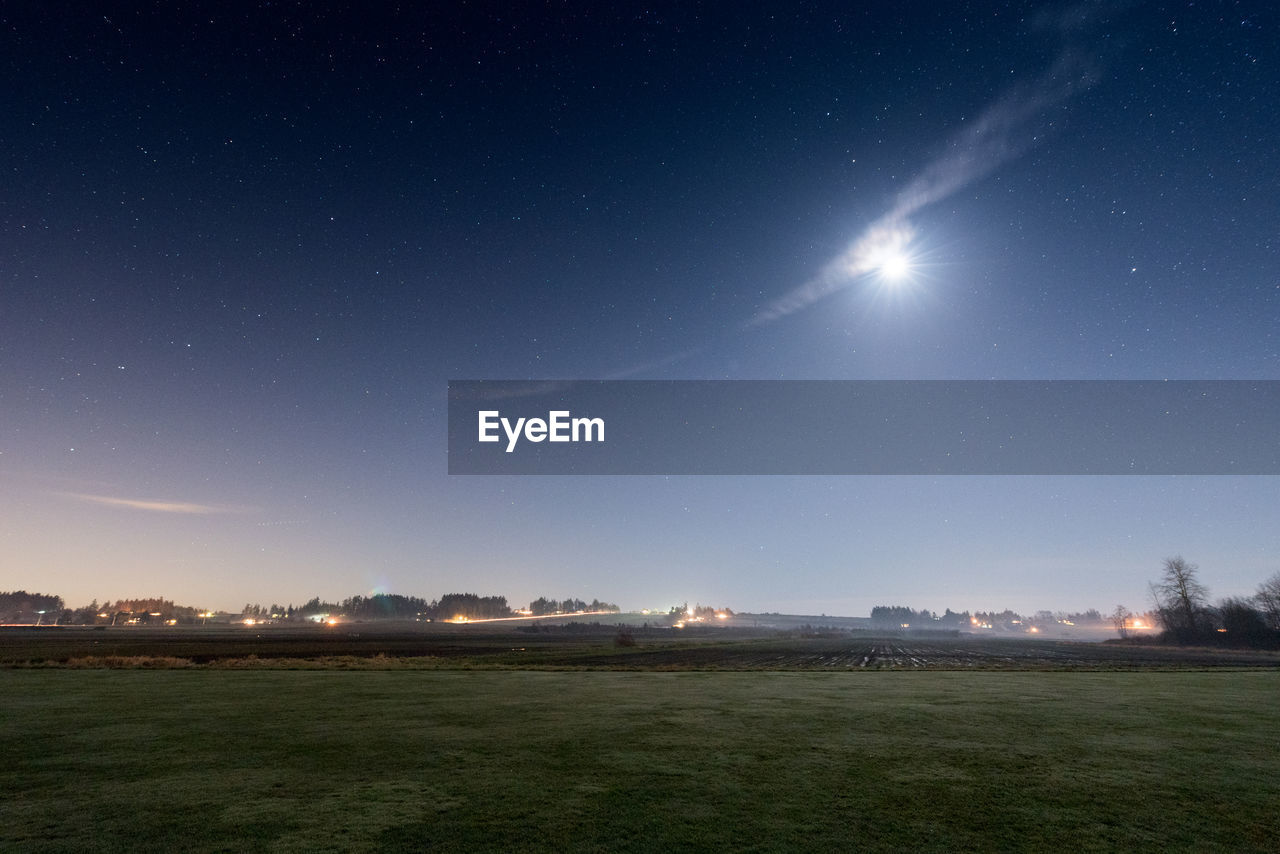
x,y
1001,133
181,507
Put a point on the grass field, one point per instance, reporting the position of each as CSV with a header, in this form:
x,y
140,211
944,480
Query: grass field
x,y
322,760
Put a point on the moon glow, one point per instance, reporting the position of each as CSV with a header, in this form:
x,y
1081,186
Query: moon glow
x,y
894,266
885,253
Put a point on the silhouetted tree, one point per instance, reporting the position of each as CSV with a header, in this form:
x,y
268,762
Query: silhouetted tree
x,y
384,606
1120,619
1181,601
470,606
1268,599
896,616
315,607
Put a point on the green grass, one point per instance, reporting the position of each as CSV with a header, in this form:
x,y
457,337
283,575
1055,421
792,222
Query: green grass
x,y
599,761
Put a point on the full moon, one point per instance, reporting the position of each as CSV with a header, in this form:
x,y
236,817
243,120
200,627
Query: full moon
x,y
894,266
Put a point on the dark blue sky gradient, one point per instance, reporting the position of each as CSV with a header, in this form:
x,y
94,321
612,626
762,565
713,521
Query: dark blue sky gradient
x,y
243,248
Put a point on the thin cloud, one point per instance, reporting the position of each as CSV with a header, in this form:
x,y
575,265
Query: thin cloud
x,y
1003,131
861,257
180,507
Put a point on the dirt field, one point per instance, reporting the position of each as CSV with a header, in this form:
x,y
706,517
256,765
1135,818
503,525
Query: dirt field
x,y
587,647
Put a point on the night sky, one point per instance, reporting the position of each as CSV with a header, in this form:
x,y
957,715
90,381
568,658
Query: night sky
x,y
244,247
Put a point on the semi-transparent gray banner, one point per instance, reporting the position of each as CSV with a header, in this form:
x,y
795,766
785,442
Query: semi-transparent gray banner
x,y
864,427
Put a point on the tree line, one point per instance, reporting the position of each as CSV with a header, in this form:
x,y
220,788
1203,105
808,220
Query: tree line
x,y
19,606
900,616
1186,616
542,606
32,608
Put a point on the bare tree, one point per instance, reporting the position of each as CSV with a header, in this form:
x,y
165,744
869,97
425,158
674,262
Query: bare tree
x,y
1181,600
1268,598
1120,619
